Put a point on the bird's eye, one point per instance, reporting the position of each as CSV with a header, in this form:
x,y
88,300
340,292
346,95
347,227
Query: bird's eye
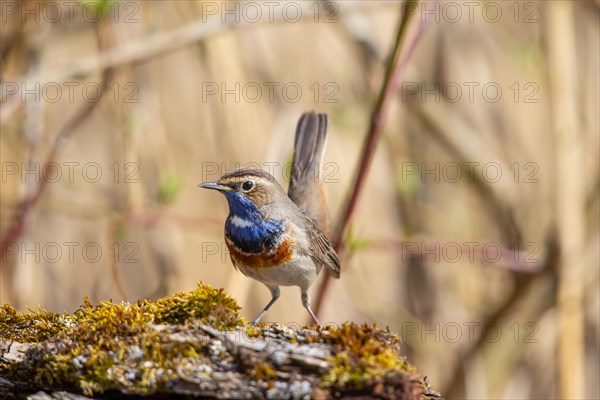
x,y
248,185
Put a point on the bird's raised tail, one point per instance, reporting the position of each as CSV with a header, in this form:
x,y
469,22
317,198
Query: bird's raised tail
x,y
306,186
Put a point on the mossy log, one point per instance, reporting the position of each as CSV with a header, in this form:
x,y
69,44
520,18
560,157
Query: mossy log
x,y
195,344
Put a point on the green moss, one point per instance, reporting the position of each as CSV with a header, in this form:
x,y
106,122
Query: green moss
x,y
213,306
34,327
97,346
363,355
252,332
141,348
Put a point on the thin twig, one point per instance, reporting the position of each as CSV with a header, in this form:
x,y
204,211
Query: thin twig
x,y
15,230
395,67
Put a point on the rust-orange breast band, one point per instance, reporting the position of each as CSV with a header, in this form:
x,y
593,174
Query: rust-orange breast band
x,y
265,259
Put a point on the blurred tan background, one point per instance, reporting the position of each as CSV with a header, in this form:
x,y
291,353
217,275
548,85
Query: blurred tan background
x,y
490,144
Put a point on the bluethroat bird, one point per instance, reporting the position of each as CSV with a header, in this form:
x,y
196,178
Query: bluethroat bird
x,y
275,238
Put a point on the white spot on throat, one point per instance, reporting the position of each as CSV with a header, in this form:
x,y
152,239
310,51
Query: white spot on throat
x,y
240,222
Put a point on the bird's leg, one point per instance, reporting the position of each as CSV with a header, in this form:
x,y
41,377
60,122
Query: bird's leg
x,y
306,304
275,292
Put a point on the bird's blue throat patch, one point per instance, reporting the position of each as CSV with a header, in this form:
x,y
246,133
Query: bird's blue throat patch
x,y
246,228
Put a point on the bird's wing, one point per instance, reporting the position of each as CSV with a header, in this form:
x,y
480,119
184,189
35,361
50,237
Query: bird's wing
x,y
321,249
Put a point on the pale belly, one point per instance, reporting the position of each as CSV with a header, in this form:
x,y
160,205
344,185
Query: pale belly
x,y
300,272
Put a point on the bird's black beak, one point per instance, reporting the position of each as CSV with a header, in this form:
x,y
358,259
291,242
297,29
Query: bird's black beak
x,y
215,186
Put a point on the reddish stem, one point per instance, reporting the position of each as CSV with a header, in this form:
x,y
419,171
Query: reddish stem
x,y
394,69
15,230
